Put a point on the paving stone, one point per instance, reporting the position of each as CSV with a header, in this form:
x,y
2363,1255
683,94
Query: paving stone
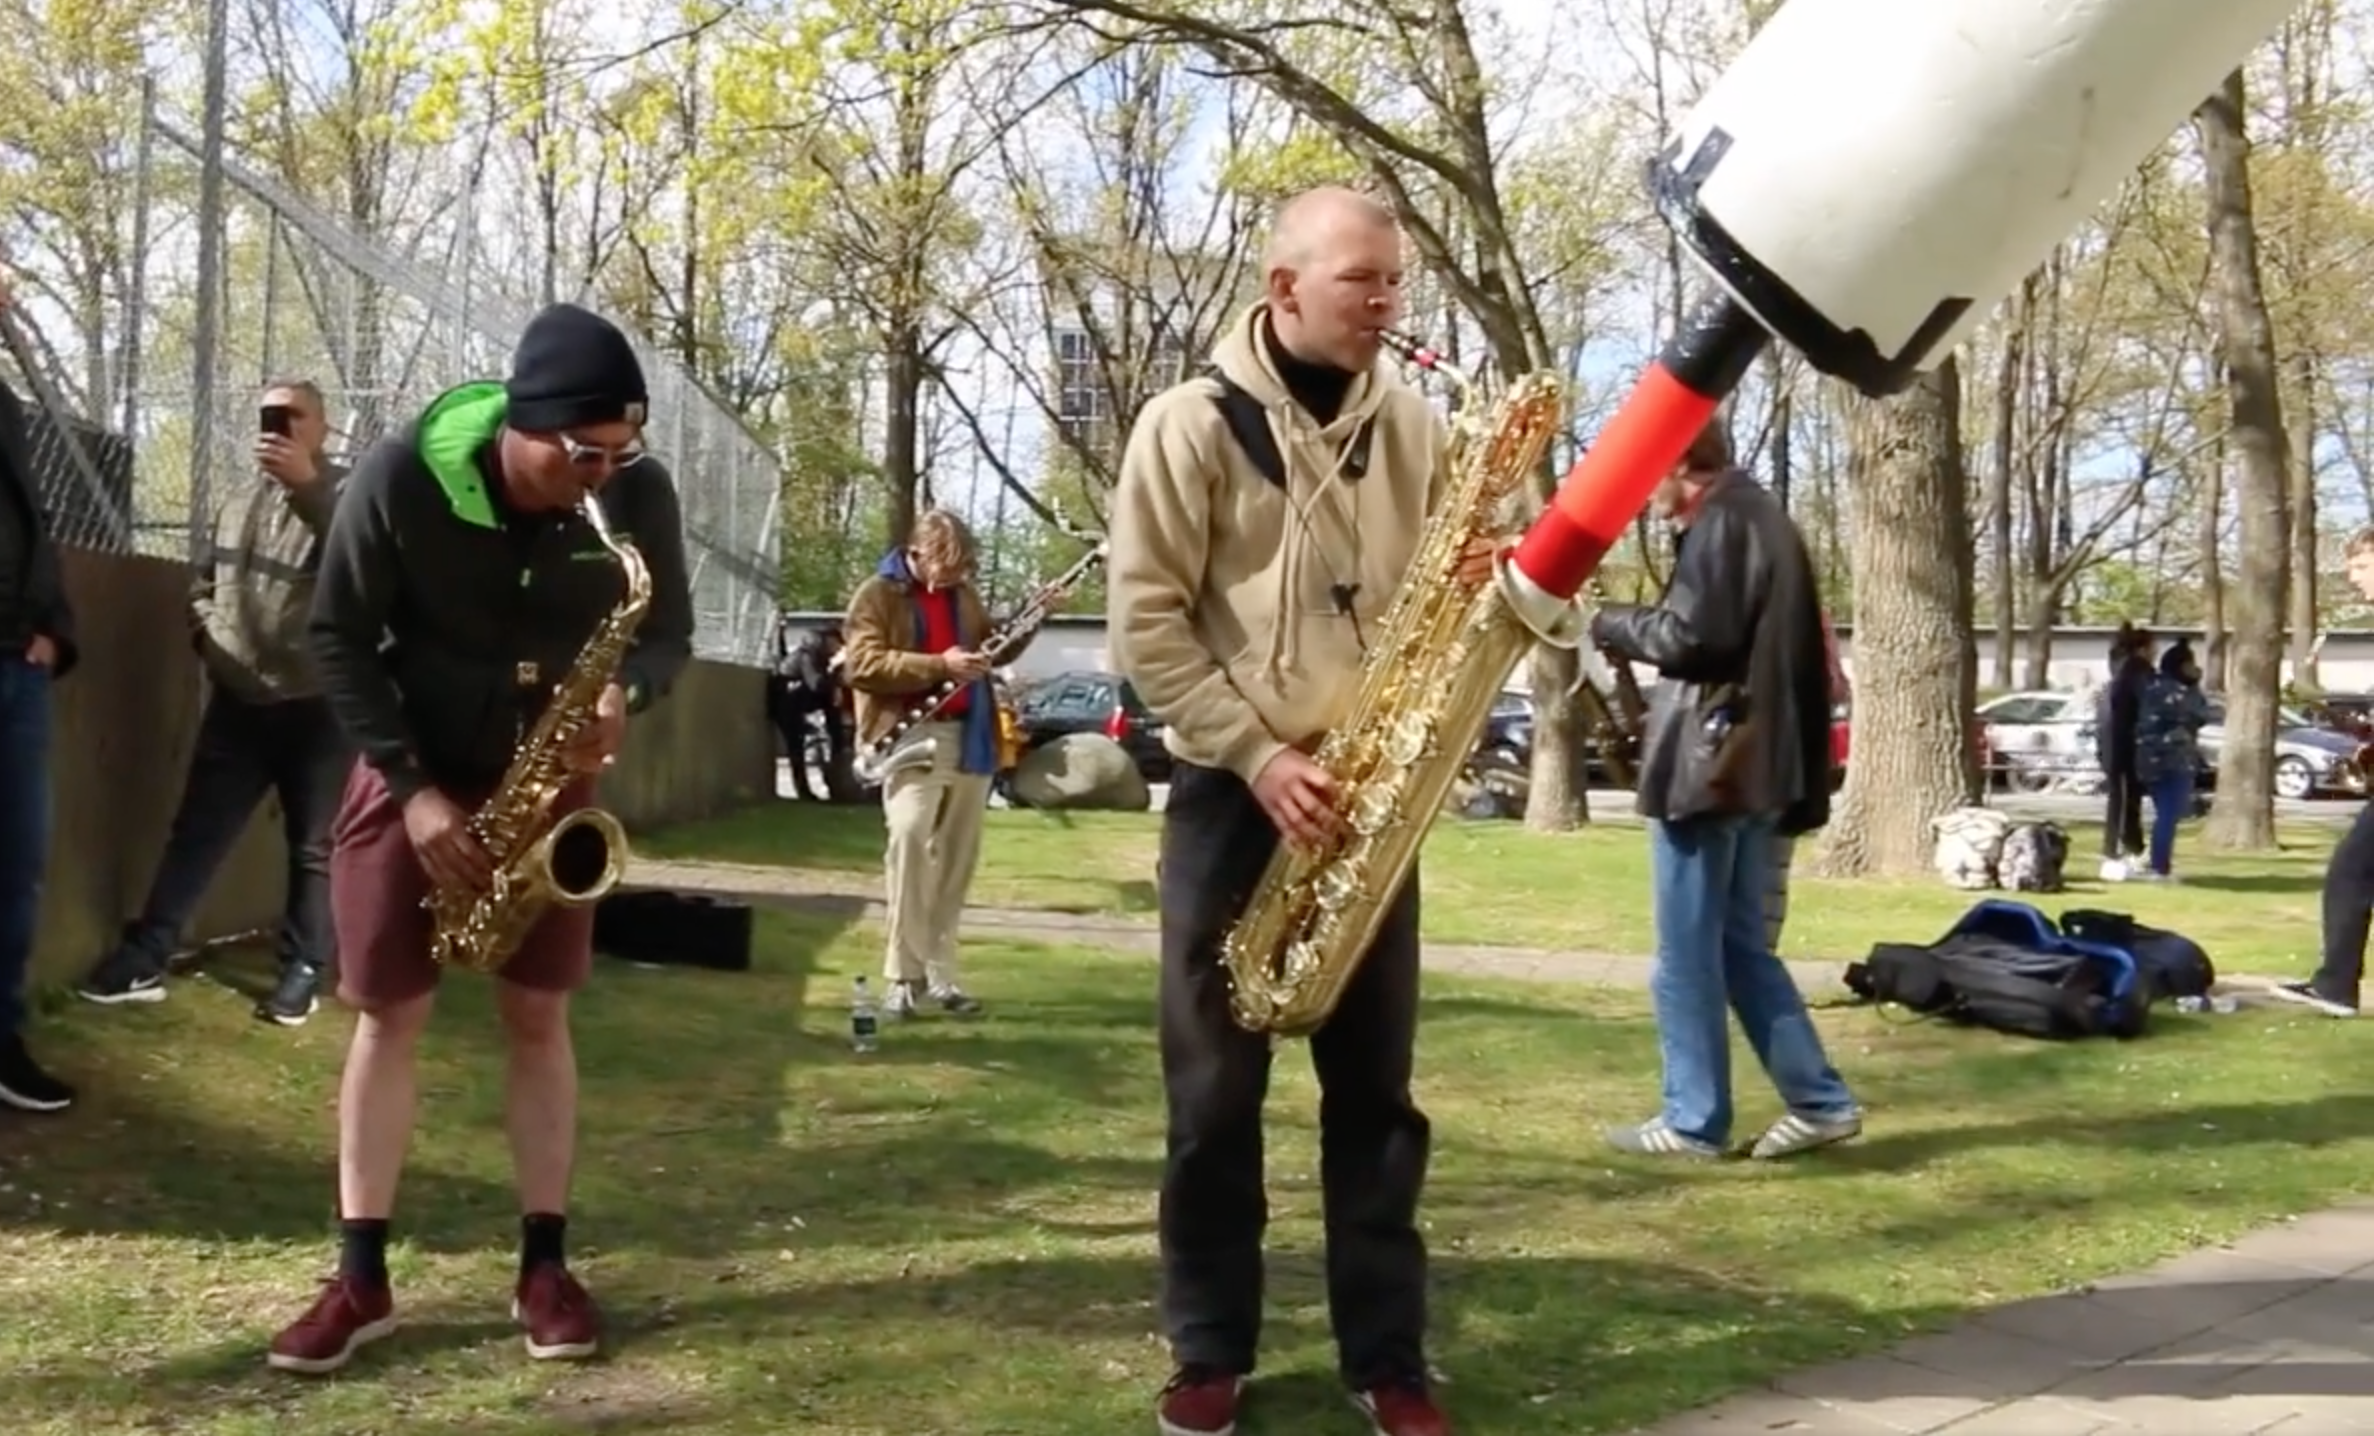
x,y
2211,1413
1895,1394
2032,1417
2088,1328
2331,1243
2212,1286
2309,1379
2333,1323
2320,1423
1986,1362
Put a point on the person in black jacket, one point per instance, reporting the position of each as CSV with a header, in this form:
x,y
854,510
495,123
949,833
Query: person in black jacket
x,y
2114,748
1735,763
806,681
36,650
459,583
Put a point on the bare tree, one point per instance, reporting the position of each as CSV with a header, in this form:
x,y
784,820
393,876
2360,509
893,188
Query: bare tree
x,y
2244,813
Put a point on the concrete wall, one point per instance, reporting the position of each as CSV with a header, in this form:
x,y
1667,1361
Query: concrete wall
x,y
127,720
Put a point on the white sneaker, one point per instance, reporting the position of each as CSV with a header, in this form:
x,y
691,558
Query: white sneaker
x,y
2114,870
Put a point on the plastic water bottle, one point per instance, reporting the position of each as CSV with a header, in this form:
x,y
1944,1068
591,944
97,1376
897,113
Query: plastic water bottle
x,y
2220,1004
864,1021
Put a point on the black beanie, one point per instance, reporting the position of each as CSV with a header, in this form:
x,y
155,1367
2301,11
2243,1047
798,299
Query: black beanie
x,y
573,367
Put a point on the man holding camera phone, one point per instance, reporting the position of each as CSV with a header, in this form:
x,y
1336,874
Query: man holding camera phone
x,y
266,724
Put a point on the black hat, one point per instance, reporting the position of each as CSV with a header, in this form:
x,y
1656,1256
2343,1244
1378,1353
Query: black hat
x,y
573,367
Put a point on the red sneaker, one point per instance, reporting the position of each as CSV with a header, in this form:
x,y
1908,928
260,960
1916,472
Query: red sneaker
x,y
562,1322
1402,1409
345,1318
1199,1401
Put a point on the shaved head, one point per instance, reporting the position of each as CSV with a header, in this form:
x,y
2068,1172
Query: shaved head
x,y
1332,274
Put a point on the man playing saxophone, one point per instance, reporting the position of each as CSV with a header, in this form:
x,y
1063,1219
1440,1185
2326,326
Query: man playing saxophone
x,y
458,584
917,623
1262,521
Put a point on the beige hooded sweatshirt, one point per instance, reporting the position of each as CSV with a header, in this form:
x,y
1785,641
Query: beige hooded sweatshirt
x,y
1221,589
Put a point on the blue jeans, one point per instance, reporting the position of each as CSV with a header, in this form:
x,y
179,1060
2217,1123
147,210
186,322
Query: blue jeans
x,y
2171,800
1710,878
24,826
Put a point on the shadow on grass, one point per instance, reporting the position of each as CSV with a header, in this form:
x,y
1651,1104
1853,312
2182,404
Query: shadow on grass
x,y
1525,1344
2331,1120
2290,880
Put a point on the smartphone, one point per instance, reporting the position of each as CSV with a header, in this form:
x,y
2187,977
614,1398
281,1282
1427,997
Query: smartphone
x,y
276,419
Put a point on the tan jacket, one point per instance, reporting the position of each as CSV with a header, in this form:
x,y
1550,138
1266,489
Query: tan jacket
x,y
880,657
1221,589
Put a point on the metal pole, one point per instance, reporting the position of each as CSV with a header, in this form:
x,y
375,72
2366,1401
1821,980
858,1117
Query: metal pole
x,y
210,258
136,301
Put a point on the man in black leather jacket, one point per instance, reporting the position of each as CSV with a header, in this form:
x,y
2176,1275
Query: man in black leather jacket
x,y
1736,763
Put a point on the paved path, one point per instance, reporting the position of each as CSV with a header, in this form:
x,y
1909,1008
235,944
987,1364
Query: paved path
x,y
859,895
2272,1335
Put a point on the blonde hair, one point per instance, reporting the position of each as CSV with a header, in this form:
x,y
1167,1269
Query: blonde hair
x,y
2359,542
944,539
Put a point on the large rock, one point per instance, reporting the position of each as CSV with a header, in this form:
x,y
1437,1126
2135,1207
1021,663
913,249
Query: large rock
x,y
1082,771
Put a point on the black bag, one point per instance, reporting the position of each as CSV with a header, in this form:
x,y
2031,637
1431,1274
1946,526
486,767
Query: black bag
x,y
2174,965
2005,967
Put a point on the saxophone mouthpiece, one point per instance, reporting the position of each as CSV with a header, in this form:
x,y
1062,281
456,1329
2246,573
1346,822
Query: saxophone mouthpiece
x,y
1423,355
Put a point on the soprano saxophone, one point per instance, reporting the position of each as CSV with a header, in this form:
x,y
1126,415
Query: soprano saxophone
x,y
894,749
541,861
1426,689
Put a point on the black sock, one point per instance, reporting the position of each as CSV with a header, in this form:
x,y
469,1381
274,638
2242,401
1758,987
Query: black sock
x,y
362,1251
540,1239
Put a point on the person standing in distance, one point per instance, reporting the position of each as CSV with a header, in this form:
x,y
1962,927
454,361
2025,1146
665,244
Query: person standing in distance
x,y
916,623
1736,765
457,586
1244,583
37,648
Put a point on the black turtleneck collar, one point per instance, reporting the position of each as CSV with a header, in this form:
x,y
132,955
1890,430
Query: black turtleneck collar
x,y
1319,388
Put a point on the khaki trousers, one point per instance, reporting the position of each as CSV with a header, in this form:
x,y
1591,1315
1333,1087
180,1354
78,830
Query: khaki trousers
x,y
934,814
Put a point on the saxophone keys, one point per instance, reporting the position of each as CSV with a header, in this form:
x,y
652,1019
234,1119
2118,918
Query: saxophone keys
x,y
1409,737
1372,811
1337,889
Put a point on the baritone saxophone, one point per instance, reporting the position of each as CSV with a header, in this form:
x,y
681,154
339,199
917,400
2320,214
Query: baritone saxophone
x,y
1426,689
541,861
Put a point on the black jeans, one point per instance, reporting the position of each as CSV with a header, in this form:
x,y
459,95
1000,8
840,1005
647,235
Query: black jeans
x,y
245,749
2122,814
1373,1141
790,710
2349,906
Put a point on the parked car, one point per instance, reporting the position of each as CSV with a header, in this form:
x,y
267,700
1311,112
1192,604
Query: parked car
x,y
1087,701
1506,744
2051,731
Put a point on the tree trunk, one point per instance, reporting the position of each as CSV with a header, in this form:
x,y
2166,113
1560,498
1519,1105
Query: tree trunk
x,y
2244,814
1915,654
2216,647
2302,575
2010,382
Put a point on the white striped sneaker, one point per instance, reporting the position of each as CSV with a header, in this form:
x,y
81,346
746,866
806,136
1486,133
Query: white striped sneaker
x,y
1794,1133
1655,1139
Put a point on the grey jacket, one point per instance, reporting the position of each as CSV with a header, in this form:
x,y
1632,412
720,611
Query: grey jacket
x,y
256,595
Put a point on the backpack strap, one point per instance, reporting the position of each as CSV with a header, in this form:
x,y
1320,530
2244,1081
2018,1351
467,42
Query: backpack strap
x,y
1250,424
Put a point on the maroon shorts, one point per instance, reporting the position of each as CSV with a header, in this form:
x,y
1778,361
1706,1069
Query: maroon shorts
x,y
376,887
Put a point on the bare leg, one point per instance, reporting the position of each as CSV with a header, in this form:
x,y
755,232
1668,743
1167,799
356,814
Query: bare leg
x,y
376,1100
540,1095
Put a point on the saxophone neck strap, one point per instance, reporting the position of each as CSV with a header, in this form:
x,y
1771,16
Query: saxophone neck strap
x,y
1248,422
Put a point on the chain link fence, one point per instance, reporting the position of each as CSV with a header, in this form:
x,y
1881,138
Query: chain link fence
x,y
380,327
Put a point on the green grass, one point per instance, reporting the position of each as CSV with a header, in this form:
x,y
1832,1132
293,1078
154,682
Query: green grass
x,y
1496,884
955,1234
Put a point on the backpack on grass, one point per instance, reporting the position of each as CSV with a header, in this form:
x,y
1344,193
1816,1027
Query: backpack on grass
x,y
2032,858
1969,840
2004,966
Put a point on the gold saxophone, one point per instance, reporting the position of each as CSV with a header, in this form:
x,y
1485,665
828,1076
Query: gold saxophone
x,y
539,861
1426,689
